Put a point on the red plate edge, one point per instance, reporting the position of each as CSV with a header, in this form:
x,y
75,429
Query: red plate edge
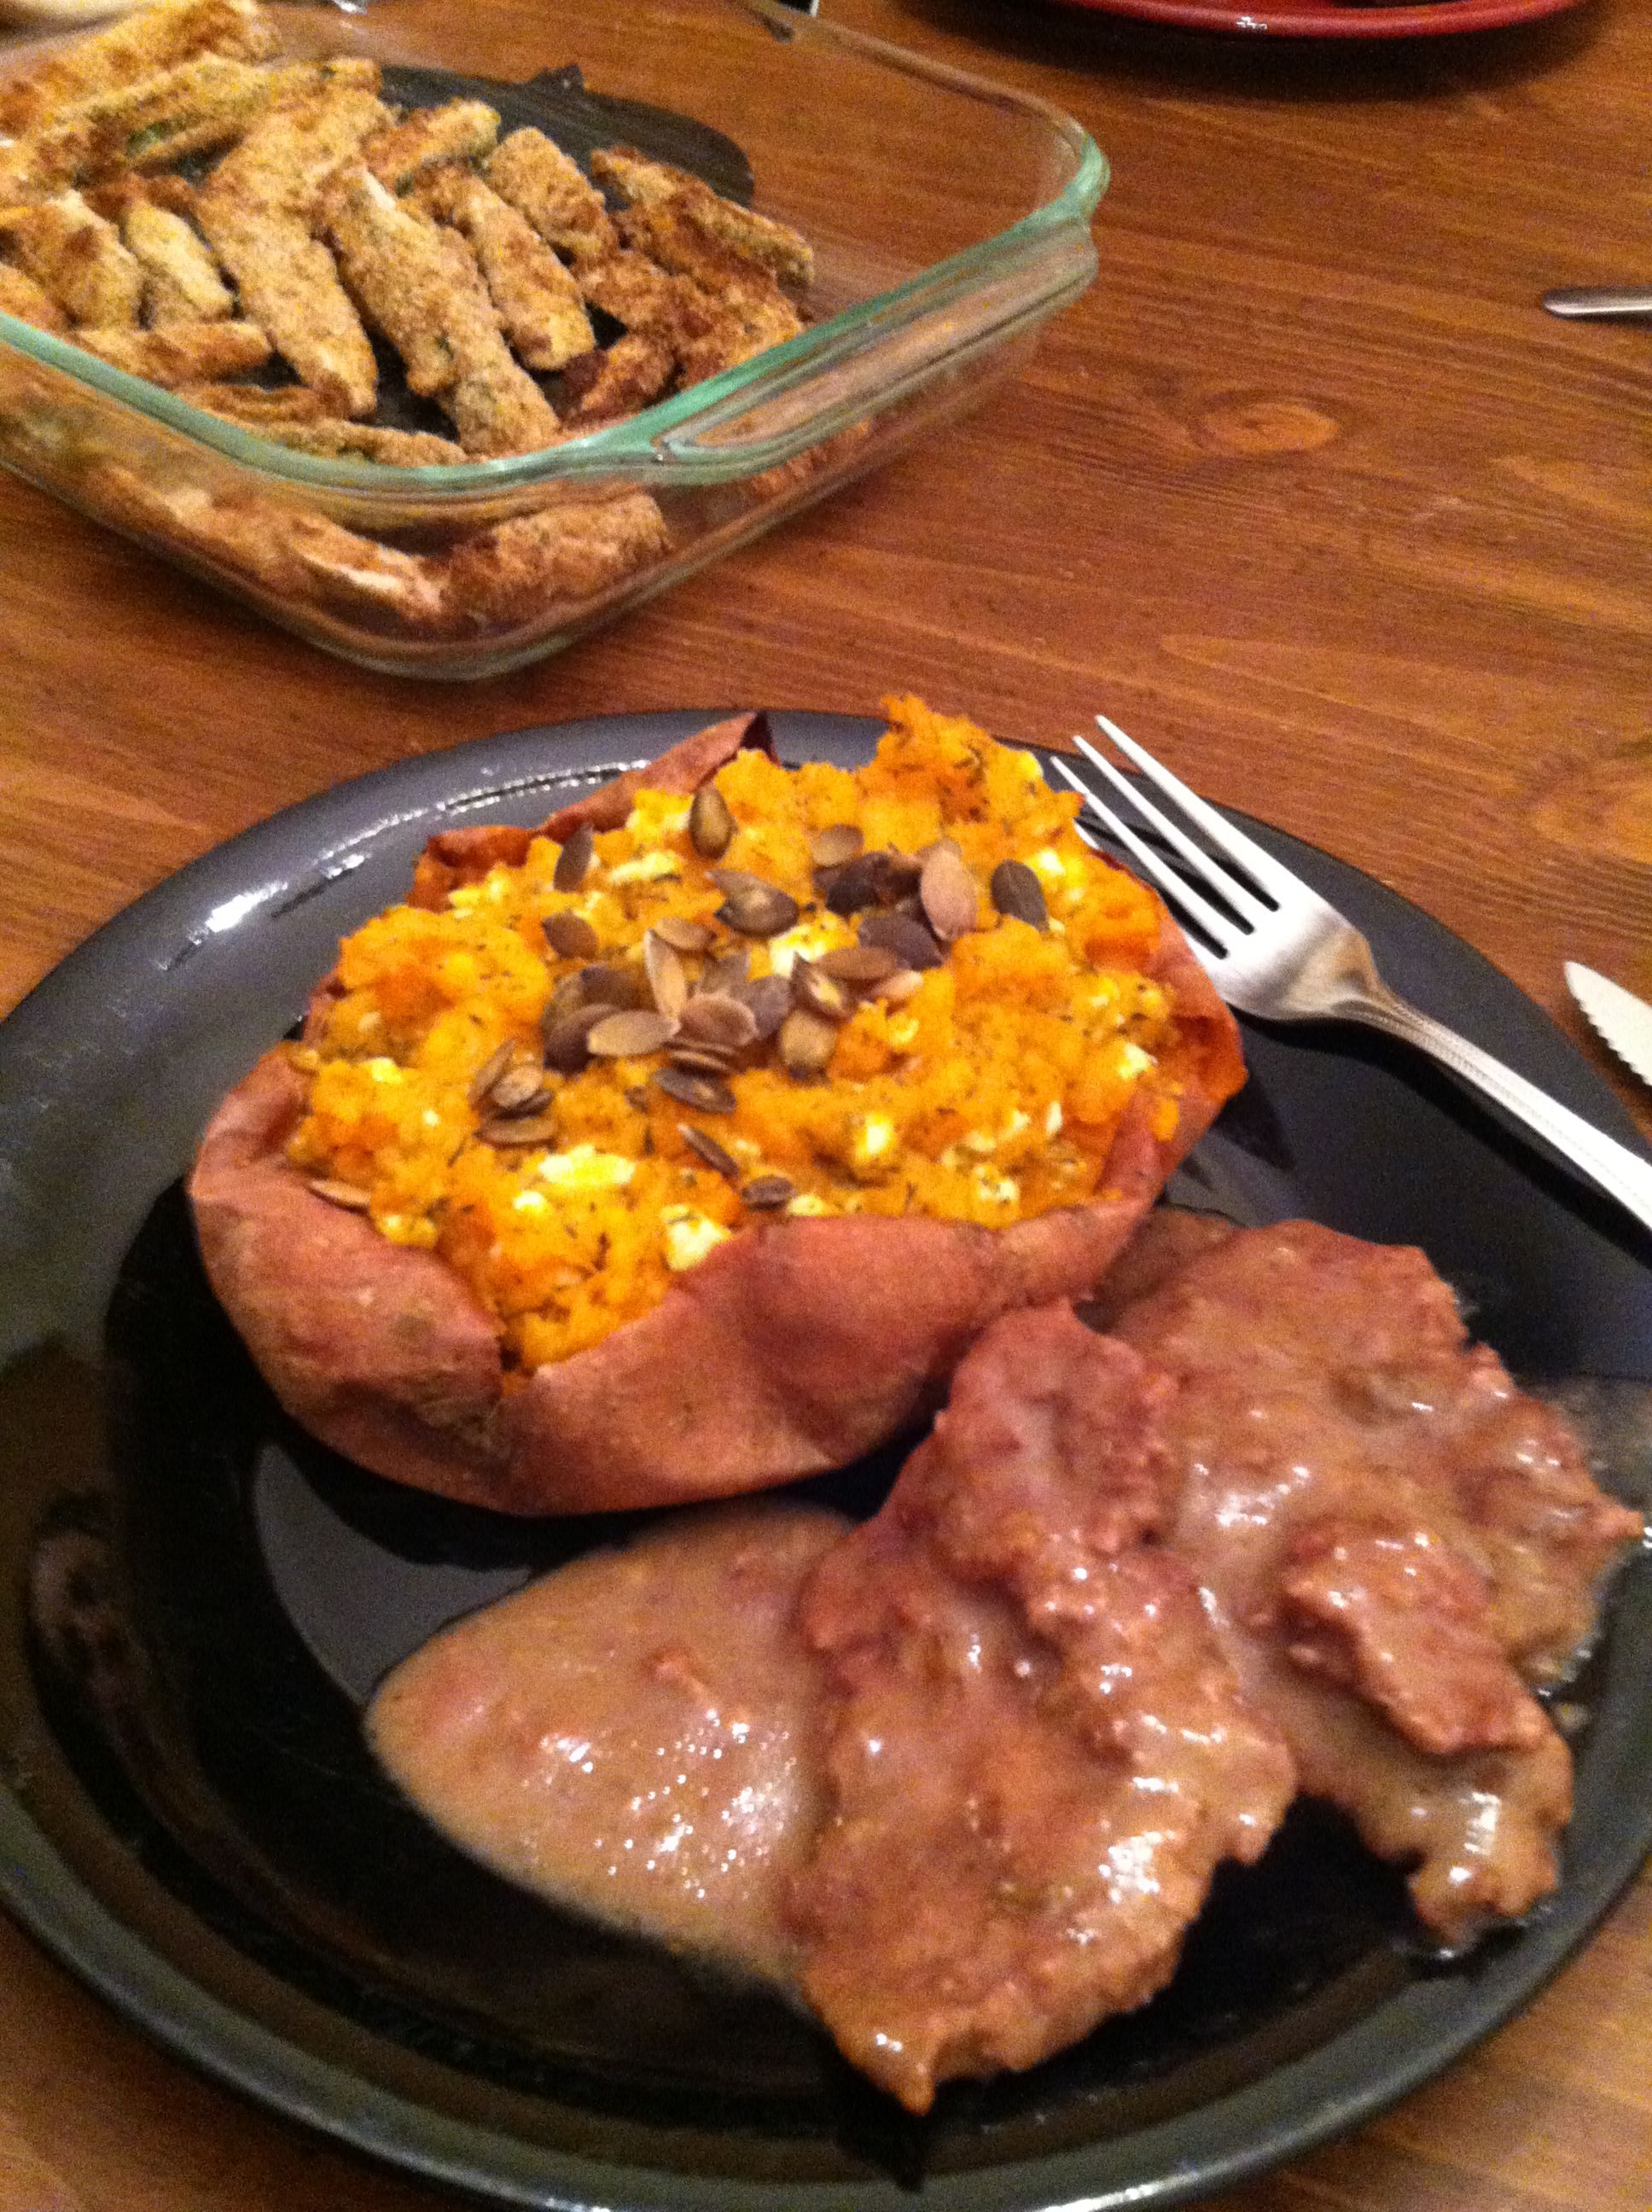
x,y
1306,19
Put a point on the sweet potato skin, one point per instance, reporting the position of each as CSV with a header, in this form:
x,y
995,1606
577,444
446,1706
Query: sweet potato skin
x,y
794,1347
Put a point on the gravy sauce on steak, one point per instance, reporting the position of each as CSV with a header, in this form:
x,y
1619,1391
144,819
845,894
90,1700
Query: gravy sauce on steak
x,y
1040,1754
1397,1543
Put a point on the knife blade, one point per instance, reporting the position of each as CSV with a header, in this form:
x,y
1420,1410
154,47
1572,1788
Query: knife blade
x,y
1622,1019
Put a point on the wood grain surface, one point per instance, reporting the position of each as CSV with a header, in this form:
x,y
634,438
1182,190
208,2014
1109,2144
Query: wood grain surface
x,y
1309,496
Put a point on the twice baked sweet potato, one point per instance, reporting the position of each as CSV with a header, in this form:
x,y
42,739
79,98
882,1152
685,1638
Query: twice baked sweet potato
x,y
442,1223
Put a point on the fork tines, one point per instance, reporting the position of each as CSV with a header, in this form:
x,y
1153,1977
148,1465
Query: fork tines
x,y
1210,873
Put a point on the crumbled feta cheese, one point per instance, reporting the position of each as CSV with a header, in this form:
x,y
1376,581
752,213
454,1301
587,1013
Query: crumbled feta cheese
x,y
1053,1118
806,1205
806,941
1133,1061
873,1140
530,1202
996,1189
645,868
583,1167
384,1071
689,1236
902,1033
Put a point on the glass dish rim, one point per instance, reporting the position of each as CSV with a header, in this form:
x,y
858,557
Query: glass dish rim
x,y
634,447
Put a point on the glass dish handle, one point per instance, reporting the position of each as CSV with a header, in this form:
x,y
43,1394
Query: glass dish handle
x,y
951,313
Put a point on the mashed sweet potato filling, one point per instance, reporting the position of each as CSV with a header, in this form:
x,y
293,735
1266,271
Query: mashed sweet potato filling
x,y
988,1087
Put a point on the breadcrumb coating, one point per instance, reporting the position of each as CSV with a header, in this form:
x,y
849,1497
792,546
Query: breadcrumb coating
x,y
182,353
181,283
78,257
537,300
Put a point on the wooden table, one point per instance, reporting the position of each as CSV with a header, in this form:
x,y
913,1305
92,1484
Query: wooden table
x,y
1308,495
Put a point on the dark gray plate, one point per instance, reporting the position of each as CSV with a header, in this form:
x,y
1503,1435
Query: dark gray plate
x,y
194,1600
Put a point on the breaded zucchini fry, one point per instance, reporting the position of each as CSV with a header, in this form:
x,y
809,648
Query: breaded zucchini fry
x,y
417,282
496,406
290,283
157,37
293,554
629,376
253,406
642,183
181,283
183,354
537,300
534,174
562,555
317,123
333,437
399,273
193,109
30,302
752,308
78,258
256,211
460,130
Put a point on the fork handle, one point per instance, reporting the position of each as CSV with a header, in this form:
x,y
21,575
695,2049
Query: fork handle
x,y
1612,1167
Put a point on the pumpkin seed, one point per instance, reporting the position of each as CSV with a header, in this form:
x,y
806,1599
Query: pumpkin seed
x,y
720,1020
903,935
519,1133
603,984
574,859
806,1044
668,978
1017,892
951,902
703,1092
821,994
701,1059
768,1191
855,885
682,934
860,965
726,972
630,1034
519,1089
567,1048
752,907
568,994
570,936
348,1195
900,987
833,846
877,878
711,826
768,999
490,1070
709,1151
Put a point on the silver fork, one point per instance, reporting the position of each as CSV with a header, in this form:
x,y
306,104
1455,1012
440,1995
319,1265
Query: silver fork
x,y
1282,952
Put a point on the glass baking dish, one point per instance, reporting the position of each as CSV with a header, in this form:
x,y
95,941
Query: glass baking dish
x,y
947,218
